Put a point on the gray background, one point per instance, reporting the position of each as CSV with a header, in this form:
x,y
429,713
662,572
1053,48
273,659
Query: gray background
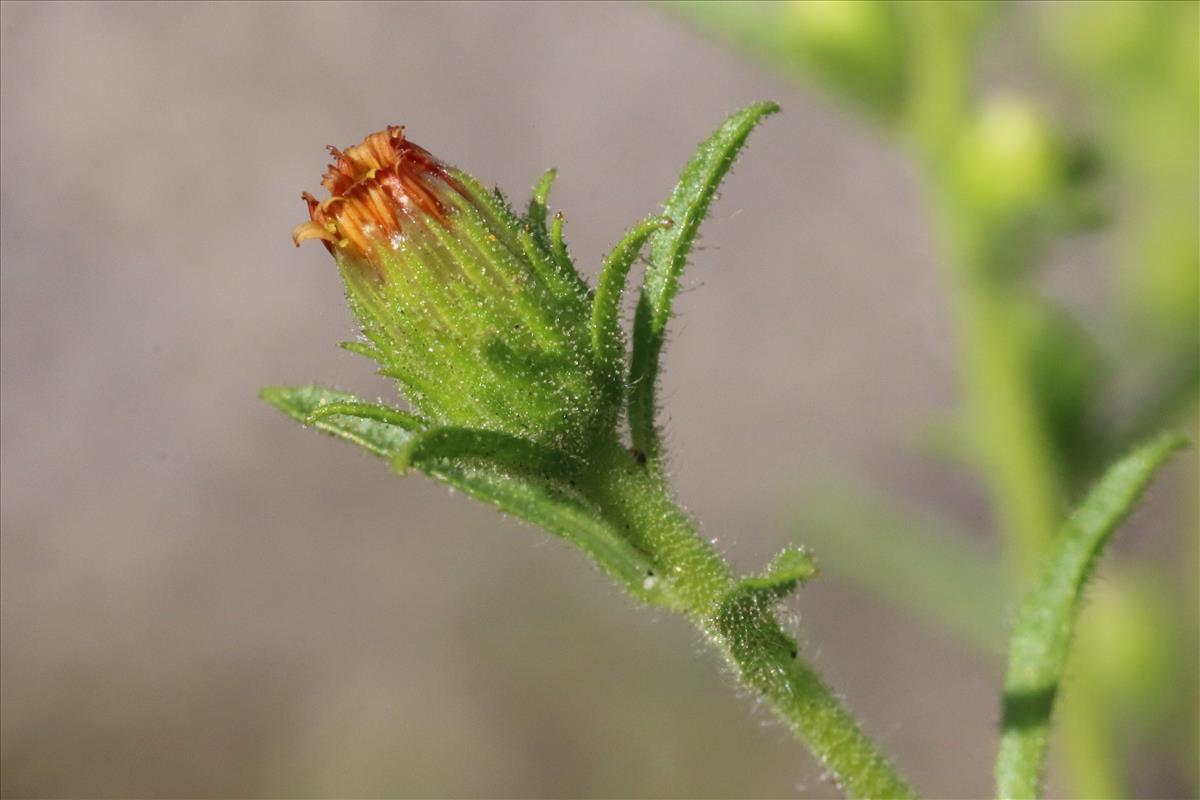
x,y
202,599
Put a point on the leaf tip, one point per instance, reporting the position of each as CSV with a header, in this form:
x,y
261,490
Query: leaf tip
x,y
275,395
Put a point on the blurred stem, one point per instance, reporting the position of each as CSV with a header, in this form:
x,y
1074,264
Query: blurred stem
x,y
1017,458
938,79
636,499
1023,482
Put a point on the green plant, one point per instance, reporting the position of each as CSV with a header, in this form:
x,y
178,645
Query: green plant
x,y
1046,401
523,396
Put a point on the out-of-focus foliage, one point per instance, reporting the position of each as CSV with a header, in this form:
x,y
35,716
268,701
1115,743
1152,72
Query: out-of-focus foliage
x,y
1138,65
1044,627
855,47
1049,393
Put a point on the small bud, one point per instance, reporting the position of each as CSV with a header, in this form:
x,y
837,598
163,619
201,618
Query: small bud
x,y
1009,158
461,303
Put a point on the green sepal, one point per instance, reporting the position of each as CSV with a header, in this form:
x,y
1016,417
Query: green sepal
x,y
506,225
1042,634
503,451
669,248
363,349
538,212
300,402
558,243
608,343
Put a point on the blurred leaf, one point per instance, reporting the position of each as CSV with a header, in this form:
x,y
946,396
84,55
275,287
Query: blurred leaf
x,y
1065,376
1169,398
1042,634
904,557
1139,66
854,47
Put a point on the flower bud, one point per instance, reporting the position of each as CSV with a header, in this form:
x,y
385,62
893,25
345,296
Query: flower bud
x,y
1009,160
460,301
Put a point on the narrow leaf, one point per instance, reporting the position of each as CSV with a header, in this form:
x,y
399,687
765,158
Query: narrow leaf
x,y
608,345
537,214
501,450
300,402
371,411
1041,637
558,244
363,349
669,248
790,568
539,503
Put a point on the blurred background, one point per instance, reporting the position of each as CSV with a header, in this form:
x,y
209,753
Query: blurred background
x,y
200,599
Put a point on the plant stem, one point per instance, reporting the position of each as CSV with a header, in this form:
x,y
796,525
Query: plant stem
x,y
988,303
1013,445
636,498
766,659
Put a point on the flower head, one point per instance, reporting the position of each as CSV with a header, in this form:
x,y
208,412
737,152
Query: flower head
x,y
376,189
459,299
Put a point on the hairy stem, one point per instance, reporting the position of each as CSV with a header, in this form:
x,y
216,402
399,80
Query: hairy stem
x,y
636,498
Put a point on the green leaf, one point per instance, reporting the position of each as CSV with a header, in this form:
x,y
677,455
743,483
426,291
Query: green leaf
x,y
542,503
789,569
371,411
1042,634
558,243
608,345
300,403
367,349
669,248
501,450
